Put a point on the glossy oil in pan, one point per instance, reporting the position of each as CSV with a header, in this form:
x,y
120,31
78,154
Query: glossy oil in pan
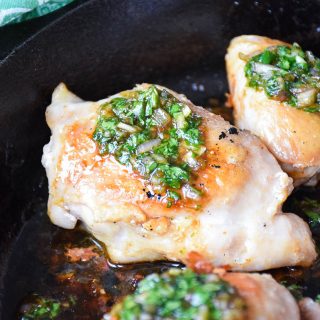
x,y
99,48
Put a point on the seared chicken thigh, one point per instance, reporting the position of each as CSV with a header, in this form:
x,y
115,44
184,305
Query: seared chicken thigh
x,y
288,121
230,212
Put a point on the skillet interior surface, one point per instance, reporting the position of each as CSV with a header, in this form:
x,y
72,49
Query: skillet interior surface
x,y
100,48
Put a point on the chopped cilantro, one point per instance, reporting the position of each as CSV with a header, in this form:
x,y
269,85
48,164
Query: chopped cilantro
x,y
173,195
152,100
311,208
173,176
295,289
174,109
43,309
267,57
134,140
168,148
122,109
151,131
181,294
192,136
287,74
194,121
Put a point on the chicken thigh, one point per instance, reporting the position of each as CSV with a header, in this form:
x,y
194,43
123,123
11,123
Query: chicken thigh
x,y
287,120
230,212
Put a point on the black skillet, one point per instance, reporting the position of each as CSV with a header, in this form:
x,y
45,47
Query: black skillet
x,y
98,48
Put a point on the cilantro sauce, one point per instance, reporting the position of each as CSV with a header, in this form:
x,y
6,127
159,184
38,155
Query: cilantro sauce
x,y
287,74
155,135
42,308
181,294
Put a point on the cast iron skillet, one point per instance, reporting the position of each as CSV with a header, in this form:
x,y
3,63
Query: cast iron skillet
x,y
100,48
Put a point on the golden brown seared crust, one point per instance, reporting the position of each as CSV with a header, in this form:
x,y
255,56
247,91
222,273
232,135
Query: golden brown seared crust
x,y
292,135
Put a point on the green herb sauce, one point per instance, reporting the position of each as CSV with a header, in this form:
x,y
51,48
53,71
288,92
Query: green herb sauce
x,y
295,289
155,135
42,309
311,208
181,294
287,74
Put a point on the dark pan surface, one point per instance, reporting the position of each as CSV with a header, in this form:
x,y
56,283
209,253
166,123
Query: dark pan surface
x,y
103,47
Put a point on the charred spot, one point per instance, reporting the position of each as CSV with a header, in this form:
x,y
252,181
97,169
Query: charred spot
x,y
149,194
215,166
222,135
231,141
233,130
